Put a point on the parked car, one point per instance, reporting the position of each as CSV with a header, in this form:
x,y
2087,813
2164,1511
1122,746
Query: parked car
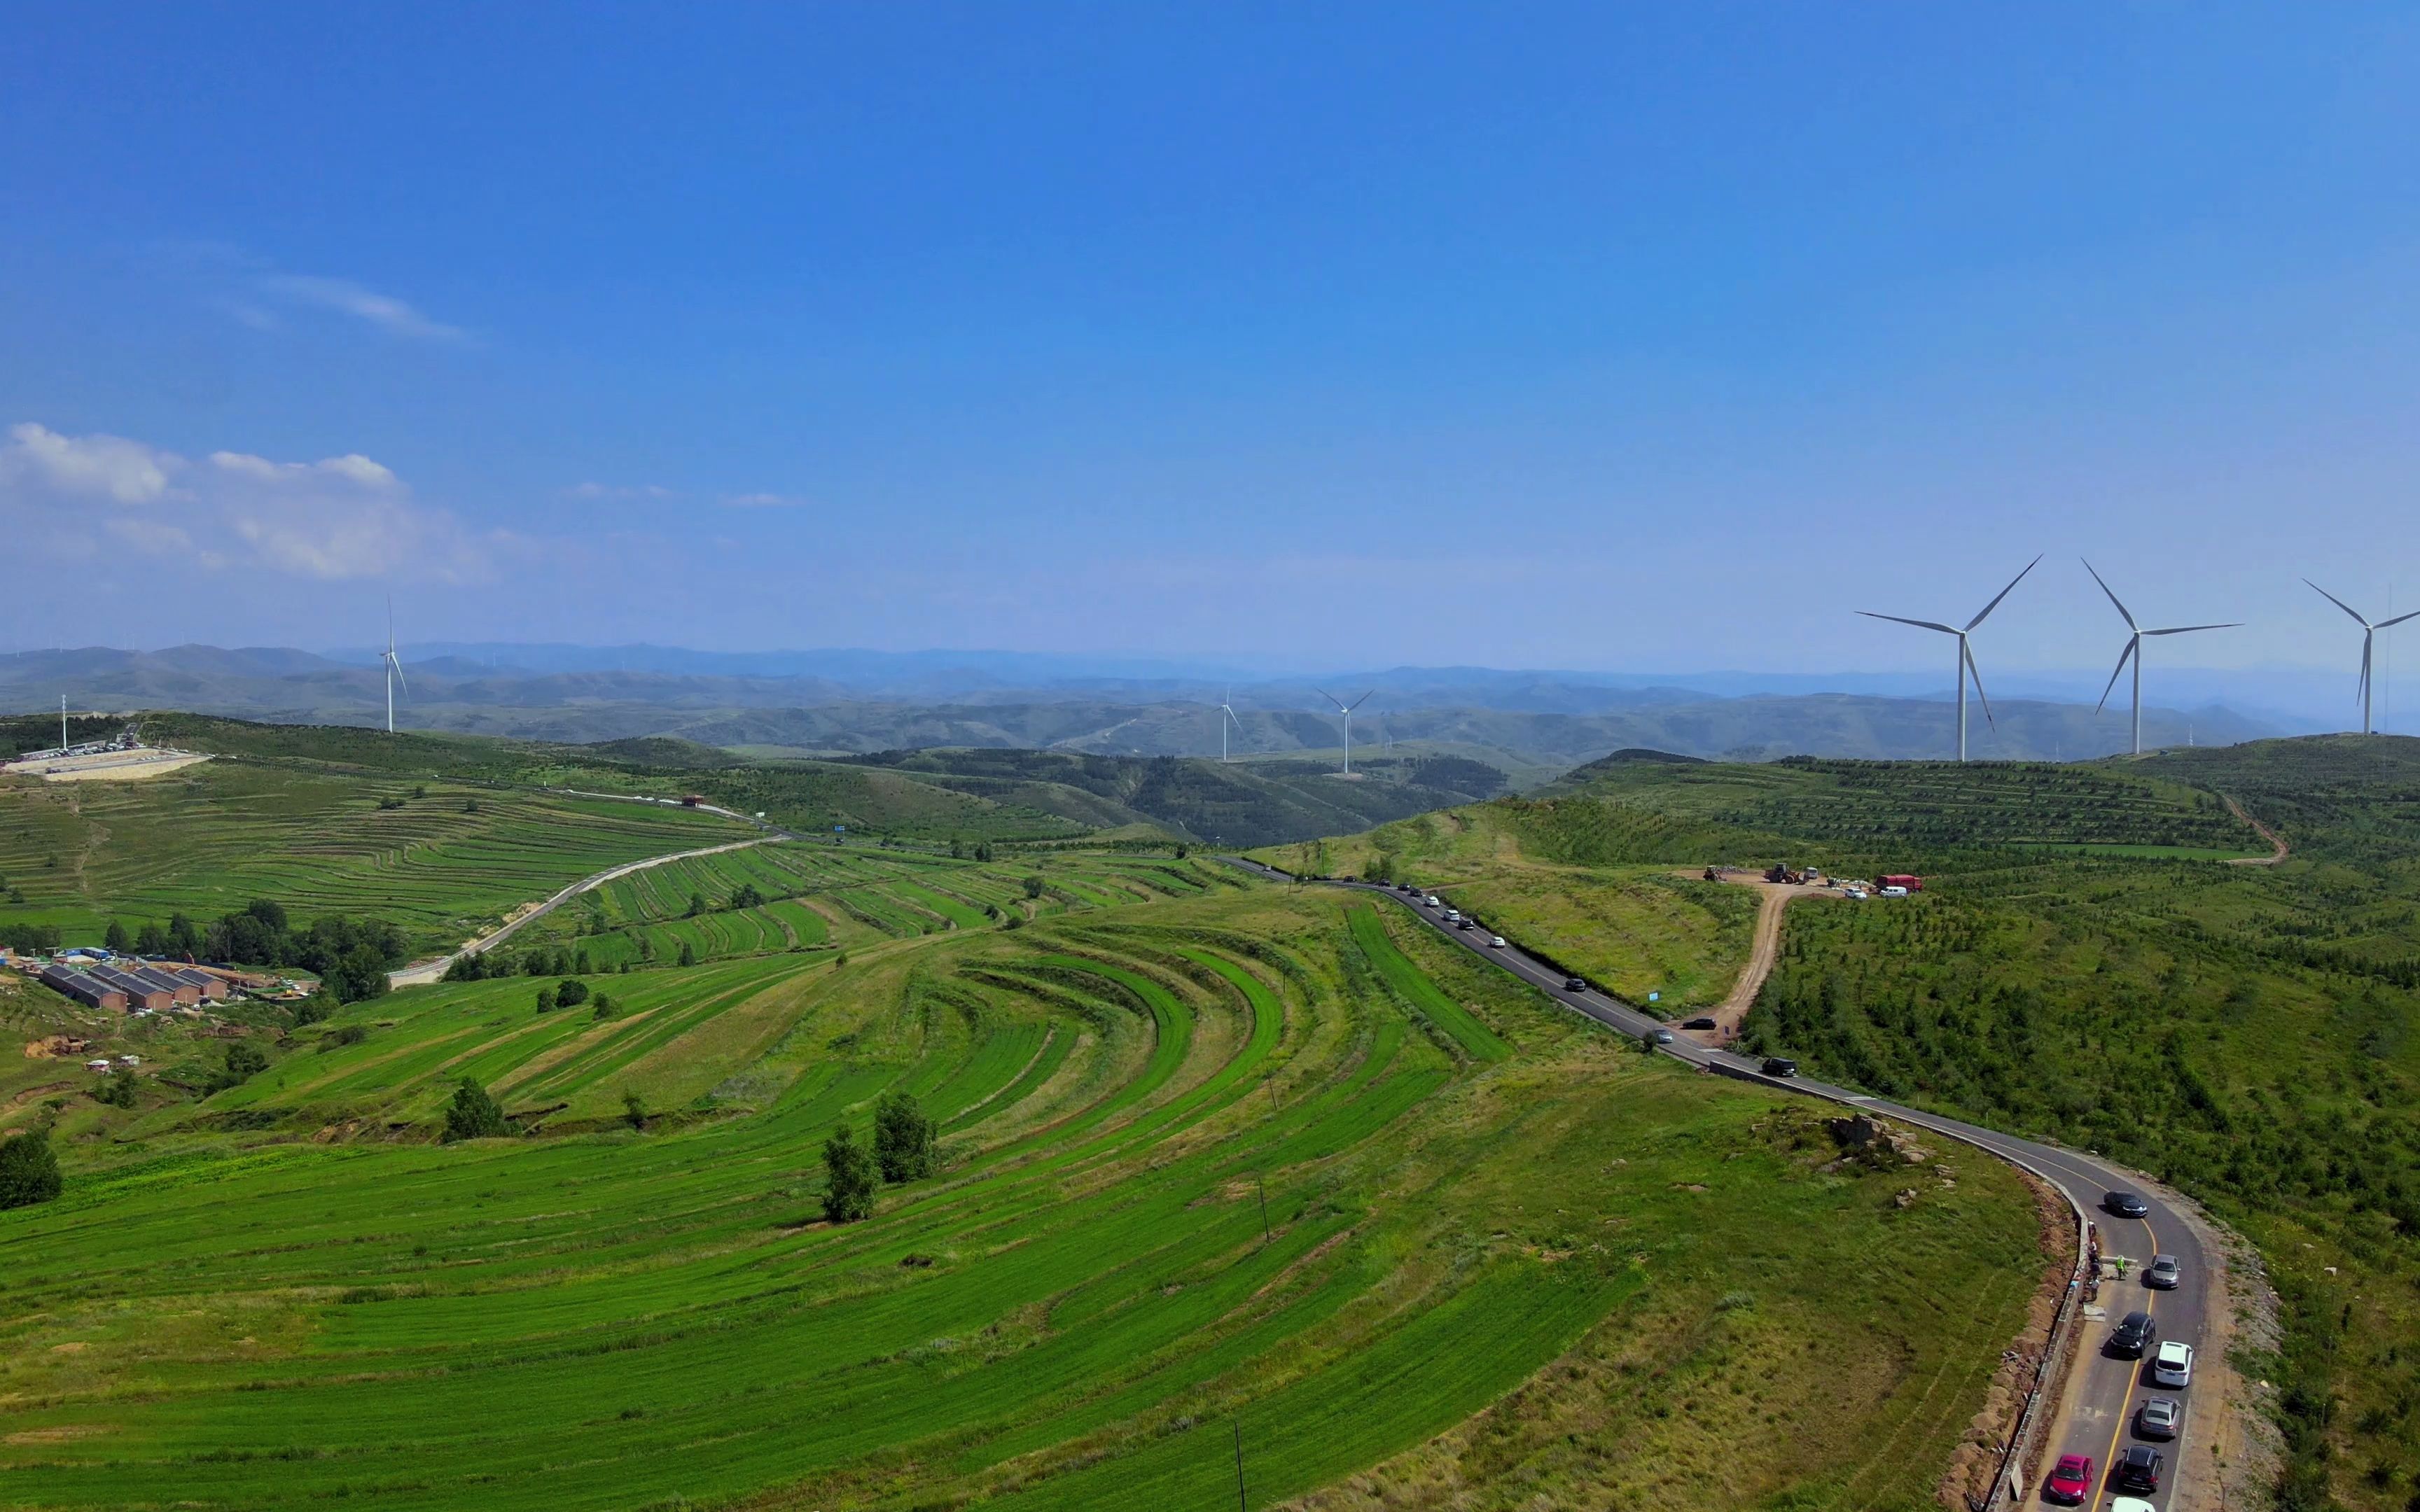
x,y
2126,1205
2159,1417
1775,1066
2070,1480
2173,1364
1574,984
2135,1334
1702,1022
2138,1469
1496,942
1894,892
2131,1504
2165,1274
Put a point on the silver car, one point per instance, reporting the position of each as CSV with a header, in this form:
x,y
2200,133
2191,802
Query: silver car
x,y
2165,1274
2159,1417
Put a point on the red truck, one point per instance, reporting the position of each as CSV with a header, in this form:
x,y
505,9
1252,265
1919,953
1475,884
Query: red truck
x,y
1902,880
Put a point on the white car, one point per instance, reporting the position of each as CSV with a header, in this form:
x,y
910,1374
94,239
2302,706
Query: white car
x,y
2173,1364
1495,941
1430,900
1894,892
2131,1504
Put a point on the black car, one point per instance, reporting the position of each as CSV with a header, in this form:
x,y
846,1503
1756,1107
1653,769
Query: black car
x,y
2126,1205
1574,984
1775,1066
1466,922
1699,1022
2138,1469
2135,1332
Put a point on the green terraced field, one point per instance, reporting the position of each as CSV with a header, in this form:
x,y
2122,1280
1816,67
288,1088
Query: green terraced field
x,y
209,839
1263,1161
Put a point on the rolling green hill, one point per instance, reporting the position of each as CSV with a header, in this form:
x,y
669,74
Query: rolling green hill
x,y
2084,964
1254,1168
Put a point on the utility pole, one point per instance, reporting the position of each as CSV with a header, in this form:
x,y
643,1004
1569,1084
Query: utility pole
x,y
1241,1505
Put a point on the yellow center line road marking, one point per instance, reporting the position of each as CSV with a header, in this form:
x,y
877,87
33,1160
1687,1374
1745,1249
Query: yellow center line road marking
x,y
2109,1466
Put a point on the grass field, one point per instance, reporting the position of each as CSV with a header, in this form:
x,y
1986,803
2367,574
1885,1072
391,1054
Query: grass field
x,y
1217,1162
445,859
2081,966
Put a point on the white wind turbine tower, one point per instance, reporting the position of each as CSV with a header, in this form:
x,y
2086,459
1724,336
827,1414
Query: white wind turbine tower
x,y
2135,652
1965,652
1226,719
2368,635
394,667
1344,711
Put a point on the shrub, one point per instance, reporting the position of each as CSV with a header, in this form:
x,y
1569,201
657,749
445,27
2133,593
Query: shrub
x,y
117,1089
546,999
1034,886
473,1115
902,1138
849,1179
29,1170
571,993
634,1110
689,954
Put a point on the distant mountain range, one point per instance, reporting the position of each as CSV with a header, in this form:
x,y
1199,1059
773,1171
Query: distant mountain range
x,y
1528,724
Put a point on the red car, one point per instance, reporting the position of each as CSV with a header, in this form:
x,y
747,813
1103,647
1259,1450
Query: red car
x,y
2071,1481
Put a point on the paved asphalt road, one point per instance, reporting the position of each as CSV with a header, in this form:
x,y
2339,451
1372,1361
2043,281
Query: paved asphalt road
x,y
2103,1396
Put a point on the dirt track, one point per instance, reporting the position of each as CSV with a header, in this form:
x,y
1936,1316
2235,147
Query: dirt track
x,y
1763,950
2275,840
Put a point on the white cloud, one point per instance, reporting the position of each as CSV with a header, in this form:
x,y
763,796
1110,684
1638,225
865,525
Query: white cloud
x,y
384,311
338,518
111,467
763,501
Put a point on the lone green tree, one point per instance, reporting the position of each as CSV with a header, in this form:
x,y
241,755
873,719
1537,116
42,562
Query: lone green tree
x,y
1034,886
689,954
29,1170
849,1179
902,1138
473,1115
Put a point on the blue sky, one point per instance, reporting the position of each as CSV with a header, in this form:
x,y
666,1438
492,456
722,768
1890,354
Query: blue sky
x,y
1617,337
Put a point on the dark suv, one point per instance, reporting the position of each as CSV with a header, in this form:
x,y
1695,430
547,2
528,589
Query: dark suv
x,y
2134,1335
2138,1469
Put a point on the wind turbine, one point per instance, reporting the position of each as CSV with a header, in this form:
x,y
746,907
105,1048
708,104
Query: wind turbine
x,y
2368,634
1345,711
2135,652
1227,718
394,667
1965,652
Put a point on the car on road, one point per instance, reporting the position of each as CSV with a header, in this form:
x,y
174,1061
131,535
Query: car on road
x,y
1663,1037
2126,1205
1775,1066
1429,901
2135,1332
2173,1364
1496,942
1453,916
1574,984
2159,1417
2131,1504
2165,1274
1466,923
2070,1480
2138,1469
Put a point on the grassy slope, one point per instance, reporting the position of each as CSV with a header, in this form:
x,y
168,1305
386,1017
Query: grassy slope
x,y
2246,1032
1461,1184
207,838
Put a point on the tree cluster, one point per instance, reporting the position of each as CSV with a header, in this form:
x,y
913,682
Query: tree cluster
x,y
29,1170
473,1115
903,1150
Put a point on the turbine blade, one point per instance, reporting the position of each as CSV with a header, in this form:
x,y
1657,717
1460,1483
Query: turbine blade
x,y
2003,593
1329,697
2134,644
2188,629
1357,702
1977,672
2337,602
2113,599
2398,619
397,666
1921,624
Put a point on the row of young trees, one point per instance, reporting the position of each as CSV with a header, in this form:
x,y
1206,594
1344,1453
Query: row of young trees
x,y
904,1151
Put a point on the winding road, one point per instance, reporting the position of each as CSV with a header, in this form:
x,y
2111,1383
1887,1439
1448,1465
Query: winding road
x,y
2094,1415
